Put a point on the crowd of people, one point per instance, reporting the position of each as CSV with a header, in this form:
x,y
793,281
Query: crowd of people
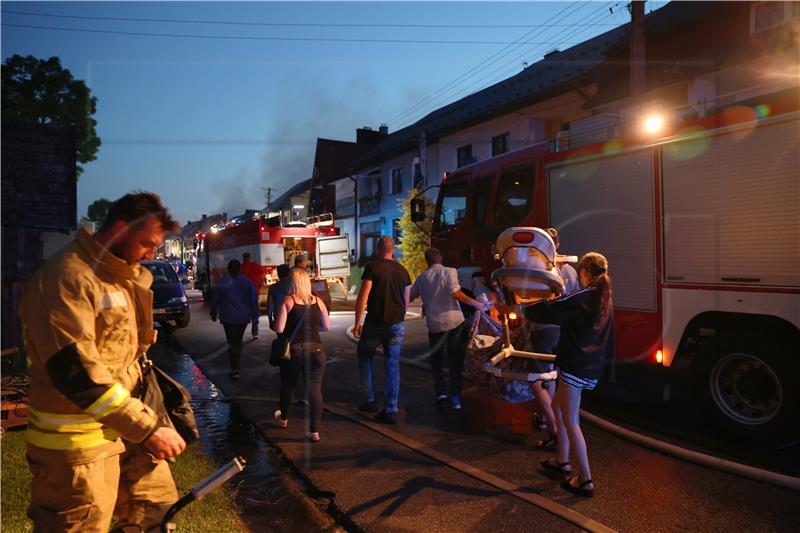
x,y
95,448
577,328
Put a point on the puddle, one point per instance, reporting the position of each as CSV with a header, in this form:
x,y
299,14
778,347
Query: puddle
x,y
261,494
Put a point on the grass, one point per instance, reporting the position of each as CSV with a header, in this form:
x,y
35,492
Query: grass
x,y
216,512
15,483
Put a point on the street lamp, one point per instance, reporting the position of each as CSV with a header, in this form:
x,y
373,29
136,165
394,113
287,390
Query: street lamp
x,y
653,124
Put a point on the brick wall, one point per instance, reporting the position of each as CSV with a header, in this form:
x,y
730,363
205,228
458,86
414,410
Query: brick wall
x,y
39,190
39,187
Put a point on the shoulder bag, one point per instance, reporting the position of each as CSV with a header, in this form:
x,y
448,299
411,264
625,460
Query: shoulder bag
x,y
169,399
280,350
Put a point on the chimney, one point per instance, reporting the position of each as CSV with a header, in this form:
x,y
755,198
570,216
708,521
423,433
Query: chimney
x,y
367,135
383,130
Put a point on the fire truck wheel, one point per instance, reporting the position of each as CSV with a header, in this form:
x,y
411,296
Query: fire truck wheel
x,y
747,382
184,320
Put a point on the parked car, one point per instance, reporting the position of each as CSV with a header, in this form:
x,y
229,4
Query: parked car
x,y
169,298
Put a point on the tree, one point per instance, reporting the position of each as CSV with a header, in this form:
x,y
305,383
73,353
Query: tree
x,y
98,211
416,236
42,92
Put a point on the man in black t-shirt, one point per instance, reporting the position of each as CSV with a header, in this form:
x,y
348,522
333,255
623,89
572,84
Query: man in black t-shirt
x,y
385,290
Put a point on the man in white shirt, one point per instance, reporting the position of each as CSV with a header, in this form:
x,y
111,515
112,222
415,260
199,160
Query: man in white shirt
x,y
447,333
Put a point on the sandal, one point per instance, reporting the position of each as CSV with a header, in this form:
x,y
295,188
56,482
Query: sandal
x,y
579,489
549,444
554,466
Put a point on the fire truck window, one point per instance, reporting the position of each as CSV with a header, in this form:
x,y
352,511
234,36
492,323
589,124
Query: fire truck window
x,y
514,197
454,204
480,200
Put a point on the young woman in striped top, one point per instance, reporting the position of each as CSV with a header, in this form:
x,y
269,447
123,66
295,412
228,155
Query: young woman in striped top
x,y
585,349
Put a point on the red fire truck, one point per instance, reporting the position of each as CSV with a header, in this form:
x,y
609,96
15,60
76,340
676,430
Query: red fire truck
x,y
270,245
702,232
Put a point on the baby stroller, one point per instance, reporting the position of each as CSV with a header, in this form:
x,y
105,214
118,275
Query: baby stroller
x,y
529,274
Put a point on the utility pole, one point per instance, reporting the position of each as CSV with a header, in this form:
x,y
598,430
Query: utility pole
x,y
637,69
268,194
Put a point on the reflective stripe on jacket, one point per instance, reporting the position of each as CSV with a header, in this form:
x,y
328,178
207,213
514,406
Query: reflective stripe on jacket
x,y
87,319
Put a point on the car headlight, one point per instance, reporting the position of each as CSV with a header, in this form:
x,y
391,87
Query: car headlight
x,y
176,300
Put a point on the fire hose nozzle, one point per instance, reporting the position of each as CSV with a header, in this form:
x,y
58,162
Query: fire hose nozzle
x,y
223,474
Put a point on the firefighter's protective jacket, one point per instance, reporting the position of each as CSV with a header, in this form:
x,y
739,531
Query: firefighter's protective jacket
x,y
87,318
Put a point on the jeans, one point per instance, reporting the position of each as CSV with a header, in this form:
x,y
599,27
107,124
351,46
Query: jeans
x,y
234,334
451,346
308,360
391,337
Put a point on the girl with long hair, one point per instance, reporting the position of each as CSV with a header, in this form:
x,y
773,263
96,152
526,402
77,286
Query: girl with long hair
x,y
302,316
585,347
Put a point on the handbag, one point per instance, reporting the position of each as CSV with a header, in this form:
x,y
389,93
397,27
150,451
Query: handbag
x,y
169,400
280,349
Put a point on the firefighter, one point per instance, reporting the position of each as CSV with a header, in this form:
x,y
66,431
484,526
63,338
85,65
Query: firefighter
x,y
88,317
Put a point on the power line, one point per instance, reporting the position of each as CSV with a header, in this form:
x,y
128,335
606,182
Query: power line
x,y
434,99
469,72
480,82
514,61
246,38
279,24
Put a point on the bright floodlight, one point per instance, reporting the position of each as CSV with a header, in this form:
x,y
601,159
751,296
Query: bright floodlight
x,y
654,124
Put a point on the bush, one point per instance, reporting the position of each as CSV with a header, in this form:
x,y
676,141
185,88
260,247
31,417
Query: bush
x,y
416,235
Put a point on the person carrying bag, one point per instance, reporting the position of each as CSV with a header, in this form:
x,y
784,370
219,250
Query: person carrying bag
x,y
305,315
280,349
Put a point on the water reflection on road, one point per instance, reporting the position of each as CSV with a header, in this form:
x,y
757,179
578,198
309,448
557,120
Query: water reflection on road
x,y
260,490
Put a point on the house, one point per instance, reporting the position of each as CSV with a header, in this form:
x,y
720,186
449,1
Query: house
x,y
189,234
699,56
332,184
293,204
524,109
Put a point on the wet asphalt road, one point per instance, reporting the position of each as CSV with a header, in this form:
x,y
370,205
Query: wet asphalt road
x,y
266,499
382,485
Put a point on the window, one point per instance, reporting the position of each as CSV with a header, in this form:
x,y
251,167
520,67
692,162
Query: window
x,y
397,233
453,206
514,196
480,200
499,144
396,181
372,185
371,227
369,234
464,156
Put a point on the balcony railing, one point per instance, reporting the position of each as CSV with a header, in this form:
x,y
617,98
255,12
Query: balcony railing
x,y
369,205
